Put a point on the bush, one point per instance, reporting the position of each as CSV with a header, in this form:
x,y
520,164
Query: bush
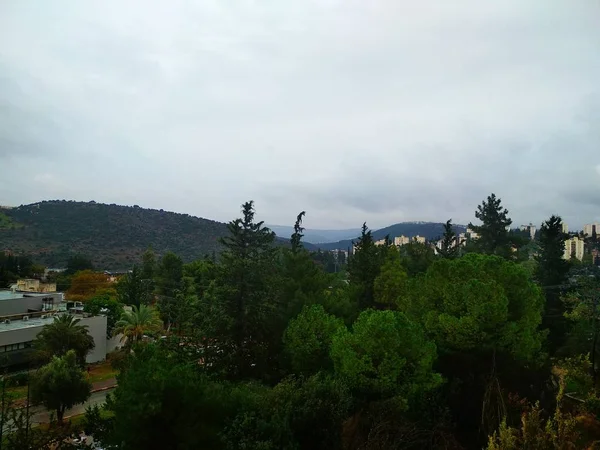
x,y
18,379
118,359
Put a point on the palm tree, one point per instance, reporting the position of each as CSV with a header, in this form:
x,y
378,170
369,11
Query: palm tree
x,y
137,322
62,335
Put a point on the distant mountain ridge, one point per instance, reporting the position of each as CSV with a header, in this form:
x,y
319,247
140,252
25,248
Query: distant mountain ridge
x,y
429,230
316,236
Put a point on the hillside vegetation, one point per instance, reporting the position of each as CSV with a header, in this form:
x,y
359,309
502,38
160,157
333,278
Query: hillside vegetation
x,y
112,236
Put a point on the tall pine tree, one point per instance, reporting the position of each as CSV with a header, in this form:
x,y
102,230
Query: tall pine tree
x,y
552,267
364,267
493,232
449,245
243,301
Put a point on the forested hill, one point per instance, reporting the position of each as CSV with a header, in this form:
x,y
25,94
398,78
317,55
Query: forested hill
x,y
112,236
429,230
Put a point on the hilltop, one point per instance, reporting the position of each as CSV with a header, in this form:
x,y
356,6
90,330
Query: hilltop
x,y
112,236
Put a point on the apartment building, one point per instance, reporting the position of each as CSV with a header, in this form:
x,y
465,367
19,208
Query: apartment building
x,y
531,229
591,228
401,240
574,247
32,285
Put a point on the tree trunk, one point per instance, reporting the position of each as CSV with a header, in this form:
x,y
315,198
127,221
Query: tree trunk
x,y
60,412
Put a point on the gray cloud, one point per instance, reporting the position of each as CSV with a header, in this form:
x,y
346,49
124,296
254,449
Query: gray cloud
x,y
379,111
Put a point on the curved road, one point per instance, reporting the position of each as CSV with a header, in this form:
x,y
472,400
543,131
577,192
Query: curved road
x,y
41,415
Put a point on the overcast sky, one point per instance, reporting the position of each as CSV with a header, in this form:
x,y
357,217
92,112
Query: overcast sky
x,y
353,110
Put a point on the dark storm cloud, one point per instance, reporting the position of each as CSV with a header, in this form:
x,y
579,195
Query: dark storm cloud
x,y
379,111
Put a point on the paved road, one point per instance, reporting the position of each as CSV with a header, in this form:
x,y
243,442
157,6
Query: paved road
x,y
41,415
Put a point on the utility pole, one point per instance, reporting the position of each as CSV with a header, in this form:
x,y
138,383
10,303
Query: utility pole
x,y
27,411
3,413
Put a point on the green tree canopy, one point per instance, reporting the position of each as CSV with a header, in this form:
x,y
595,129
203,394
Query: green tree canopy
x,y
60,385
134,324
364,267
106,305
133,289
169,274
391,283
307,340
478,302
162,403
62,335
77,263
552,268
385,354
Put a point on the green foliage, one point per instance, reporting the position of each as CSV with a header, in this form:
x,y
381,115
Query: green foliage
x,y
134,324
78,263
241,311
552,268
416,257
106,305
385,354
493,232
148,264
307,340
61,336
133,289
296,414
203,272
391,284
14,267
364,267
163,403
169,275
61,384
113,236
558,432
478,302
449,246
583,309
179,311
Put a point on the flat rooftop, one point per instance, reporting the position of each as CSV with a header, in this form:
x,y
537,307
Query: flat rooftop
x,y
19,324
10,295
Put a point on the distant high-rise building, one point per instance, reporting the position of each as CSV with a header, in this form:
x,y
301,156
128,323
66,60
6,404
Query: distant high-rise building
x,y
565,228
530,229
591,228
401,240
574,247
472,234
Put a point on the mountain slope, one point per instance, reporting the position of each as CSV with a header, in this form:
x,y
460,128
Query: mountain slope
x,y
112,236
429,230
315,236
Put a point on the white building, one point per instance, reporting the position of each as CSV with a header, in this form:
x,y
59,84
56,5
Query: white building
x,y
530,229
24,315
574,247
590,228
401,240
565,228
471,234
